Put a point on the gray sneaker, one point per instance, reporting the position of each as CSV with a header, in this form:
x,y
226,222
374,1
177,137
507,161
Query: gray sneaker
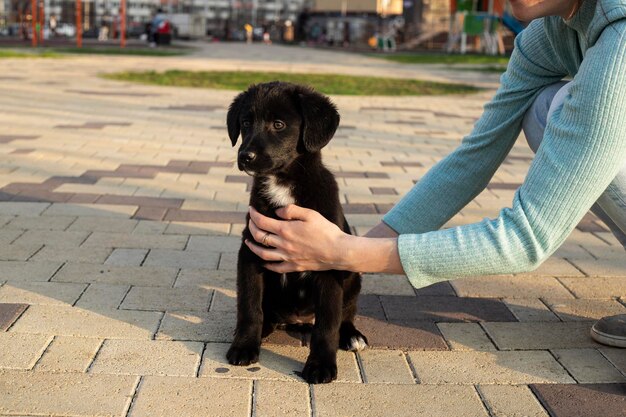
x,y
610,331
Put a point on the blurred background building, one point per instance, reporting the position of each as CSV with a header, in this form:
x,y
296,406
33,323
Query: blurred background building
x,y
408,24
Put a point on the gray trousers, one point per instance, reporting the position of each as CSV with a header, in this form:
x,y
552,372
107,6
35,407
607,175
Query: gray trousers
x,y
611,206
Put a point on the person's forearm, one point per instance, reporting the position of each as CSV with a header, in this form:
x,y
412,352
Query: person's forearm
x,y
367,254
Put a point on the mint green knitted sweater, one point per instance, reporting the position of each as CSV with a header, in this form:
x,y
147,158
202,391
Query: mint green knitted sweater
x,y
583,148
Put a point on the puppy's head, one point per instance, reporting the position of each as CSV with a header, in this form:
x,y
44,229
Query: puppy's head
x,y
278,122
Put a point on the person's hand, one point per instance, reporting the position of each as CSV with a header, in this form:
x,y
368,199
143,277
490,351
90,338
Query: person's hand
x,y
303,241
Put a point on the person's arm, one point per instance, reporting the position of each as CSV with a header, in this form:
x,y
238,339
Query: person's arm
x,y
458,178
583,148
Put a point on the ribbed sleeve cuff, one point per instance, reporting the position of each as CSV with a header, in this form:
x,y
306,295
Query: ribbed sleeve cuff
x,y
410,261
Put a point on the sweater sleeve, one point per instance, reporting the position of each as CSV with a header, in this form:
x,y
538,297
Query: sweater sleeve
x,y
462,175
583,148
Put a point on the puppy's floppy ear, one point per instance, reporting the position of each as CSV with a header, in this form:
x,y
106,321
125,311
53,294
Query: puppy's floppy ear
x,y
320,119
232,118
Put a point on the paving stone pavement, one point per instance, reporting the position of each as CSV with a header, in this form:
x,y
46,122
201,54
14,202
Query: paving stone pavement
x,y
120,215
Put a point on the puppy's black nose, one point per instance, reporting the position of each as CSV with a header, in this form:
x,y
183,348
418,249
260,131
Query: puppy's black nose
x,y
246,157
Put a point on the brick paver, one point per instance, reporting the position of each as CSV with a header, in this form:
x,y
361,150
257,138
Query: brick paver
x,y
121,212
582,400
38,393
279,398
69,354
397,400
385,366
588,366
21,351
511,400
190,397
9,312
148,357
517,367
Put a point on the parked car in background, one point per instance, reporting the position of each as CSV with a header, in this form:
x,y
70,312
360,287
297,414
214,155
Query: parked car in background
x,y
160,30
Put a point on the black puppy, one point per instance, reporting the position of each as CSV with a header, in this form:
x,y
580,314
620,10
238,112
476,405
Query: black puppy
x,y
283,127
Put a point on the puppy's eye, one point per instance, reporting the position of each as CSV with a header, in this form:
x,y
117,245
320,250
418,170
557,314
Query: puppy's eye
x,y
246,124
278,125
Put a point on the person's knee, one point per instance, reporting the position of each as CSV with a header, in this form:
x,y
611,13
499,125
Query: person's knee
x,y
536,117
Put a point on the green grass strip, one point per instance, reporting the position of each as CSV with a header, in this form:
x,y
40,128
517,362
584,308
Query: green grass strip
x,y
325,83
31,53
406,58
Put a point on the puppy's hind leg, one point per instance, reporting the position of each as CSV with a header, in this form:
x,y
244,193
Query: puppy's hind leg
x,y
247,342
268,328
350,338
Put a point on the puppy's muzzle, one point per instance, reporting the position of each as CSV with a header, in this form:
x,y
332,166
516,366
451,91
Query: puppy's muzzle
x,y
245,159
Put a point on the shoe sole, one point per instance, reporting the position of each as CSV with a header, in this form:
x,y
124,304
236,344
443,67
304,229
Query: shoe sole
x,y
608,339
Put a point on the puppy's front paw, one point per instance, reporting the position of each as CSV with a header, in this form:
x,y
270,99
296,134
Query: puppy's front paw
x,y
319,372
243,355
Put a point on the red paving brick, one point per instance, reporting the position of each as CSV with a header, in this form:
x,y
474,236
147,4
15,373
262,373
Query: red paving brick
x,y
583,400
93,125
9,313
43,196
383,191
4,196
369,305
286,337
98,173
409,335
590,224
189,107
405,122
404,109
129,200
235,217
361,174
57,181
402,333
503,186
11,138
405,164
240,179
23,151
150,213
448,309
112,93
439,289
359,208
84,198
383,208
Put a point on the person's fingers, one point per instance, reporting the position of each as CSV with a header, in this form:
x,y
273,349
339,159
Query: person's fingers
x,y
264,237
293,212
266,223
256,233
265,253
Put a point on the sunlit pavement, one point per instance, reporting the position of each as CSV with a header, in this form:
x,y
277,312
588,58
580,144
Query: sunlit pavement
x,y
120,215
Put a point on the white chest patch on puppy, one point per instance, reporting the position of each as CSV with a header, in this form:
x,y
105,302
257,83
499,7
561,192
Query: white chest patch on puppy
x,y
278,194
